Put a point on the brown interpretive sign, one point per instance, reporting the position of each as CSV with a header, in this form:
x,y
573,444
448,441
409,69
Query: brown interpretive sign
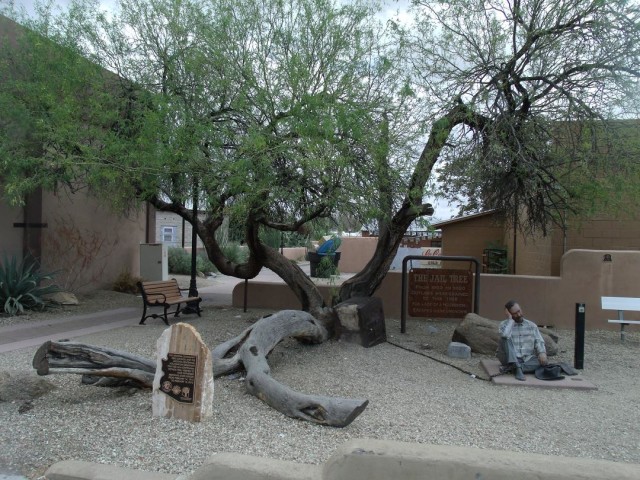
x,y
179,376
443,293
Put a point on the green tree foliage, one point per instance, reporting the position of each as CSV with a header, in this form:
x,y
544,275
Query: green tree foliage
x,y
277,114
537,78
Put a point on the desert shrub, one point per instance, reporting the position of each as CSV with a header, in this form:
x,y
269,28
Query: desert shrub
x,y
203,264
126,283
235,253
20,286
326,267
180,262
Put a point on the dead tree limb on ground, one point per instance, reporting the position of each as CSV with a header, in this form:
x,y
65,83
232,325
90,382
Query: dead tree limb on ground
x,y
249,350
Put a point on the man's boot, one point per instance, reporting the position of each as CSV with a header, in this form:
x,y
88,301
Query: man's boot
x,y
519,375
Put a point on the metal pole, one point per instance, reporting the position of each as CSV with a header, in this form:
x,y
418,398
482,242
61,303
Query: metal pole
x,y
192,307
246,287
578,359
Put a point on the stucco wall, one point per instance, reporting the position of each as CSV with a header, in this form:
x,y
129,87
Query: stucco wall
x,y
11,237
470,238
534,254
546,300
356,253
88,243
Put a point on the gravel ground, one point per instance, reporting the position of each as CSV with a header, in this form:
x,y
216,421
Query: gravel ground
x,y
413,398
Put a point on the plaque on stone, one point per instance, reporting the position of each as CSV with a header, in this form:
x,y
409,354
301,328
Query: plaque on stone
x,y
183,383
179,376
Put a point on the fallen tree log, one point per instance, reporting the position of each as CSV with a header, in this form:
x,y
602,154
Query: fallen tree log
x,y
248,351
123,368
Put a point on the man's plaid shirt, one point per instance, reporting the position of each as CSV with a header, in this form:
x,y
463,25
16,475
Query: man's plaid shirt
x,y
526,337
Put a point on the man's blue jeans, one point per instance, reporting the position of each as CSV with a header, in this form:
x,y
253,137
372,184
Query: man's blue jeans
x,y
507,354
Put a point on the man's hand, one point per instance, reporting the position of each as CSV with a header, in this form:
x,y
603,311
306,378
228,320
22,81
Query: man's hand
x,y
542,358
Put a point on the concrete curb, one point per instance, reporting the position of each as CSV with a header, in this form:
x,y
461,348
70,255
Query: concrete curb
x,y
76,470
234,466
364,459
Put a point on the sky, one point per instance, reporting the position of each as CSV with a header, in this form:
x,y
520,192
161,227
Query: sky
x,y
391,8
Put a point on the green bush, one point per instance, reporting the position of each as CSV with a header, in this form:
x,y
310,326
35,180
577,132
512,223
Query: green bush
x,y
326,267
20,287
180,262
203,264
235,253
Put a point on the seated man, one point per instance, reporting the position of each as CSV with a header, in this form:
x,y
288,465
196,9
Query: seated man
x,y
521,348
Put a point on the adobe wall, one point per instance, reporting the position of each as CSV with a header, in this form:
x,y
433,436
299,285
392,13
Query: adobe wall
x,y
534,254
90,243
537,255
470,238
546,300
11,238
356,253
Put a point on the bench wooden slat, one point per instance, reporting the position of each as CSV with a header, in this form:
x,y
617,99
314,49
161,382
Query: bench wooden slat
x,y
165,294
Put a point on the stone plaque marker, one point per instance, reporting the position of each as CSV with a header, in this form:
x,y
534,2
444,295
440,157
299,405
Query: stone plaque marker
x,y
183,384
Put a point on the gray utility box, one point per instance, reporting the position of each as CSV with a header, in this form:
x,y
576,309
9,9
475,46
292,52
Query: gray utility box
x,y
154,261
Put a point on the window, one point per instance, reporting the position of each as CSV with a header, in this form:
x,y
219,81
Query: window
x,y
169,234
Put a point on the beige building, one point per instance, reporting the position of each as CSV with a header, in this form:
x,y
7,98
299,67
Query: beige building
x,y
73,234
475,234
172,230
77,236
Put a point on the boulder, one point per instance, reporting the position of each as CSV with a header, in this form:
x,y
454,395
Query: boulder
x,y
458,350
63,298
481,334
22,386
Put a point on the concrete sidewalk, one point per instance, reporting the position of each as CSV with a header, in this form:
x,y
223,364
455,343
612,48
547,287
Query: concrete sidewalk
x,y
31,334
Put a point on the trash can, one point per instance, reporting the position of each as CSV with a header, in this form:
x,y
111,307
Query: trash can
x,y
314,262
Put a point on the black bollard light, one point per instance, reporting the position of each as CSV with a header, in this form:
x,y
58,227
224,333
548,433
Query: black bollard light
x,y
578,359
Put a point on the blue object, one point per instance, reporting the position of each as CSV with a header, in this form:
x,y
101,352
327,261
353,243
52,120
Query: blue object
x,y
329,247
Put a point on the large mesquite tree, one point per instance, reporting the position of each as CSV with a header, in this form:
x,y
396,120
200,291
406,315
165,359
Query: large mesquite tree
x,y
277,113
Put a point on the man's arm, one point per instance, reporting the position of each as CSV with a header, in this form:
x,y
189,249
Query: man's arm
x,y
505,328
540,347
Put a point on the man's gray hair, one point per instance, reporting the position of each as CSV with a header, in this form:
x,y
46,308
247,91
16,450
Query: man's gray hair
x,y
510,304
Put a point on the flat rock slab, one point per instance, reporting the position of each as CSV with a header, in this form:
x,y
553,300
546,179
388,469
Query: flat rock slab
x,y
577,382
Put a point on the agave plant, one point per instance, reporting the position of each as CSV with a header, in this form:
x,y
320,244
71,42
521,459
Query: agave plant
x,y
20,286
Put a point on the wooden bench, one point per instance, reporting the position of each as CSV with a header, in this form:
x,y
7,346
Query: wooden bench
x,y
621,304
165,294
